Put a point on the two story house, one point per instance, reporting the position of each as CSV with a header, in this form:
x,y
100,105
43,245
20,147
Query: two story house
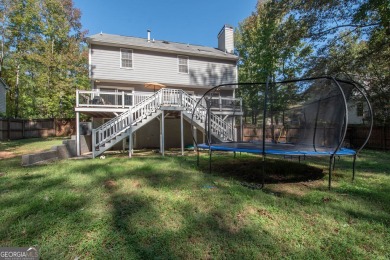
x,y
143,91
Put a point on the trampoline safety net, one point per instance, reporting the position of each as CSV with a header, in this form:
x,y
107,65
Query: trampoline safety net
x,y
308,116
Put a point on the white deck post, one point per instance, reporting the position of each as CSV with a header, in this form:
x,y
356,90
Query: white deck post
x,y
130,133
93,143
130,142
162,148
78,133
123,99
182,132
77,98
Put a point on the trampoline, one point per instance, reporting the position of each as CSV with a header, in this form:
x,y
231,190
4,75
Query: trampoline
x,y
303,118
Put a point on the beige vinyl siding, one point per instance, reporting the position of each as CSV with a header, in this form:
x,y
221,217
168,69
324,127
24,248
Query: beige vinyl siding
x,y
229,40
2,99
150,66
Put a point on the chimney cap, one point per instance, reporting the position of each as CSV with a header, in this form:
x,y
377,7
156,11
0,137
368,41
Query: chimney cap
x,y
223,28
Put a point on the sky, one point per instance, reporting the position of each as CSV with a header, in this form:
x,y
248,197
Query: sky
x,y
185,21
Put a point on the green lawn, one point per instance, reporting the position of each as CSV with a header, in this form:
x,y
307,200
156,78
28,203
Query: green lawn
x,y
167,208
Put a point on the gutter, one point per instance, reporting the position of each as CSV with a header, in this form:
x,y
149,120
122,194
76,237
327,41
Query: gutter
x,y
234,58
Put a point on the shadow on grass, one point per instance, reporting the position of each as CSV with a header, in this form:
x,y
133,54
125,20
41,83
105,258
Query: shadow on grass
x,y
159,208
251,170
151,230
33,205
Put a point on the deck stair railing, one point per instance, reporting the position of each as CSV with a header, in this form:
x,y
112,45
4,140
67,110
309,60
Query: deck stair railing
x,y
221,129
116,129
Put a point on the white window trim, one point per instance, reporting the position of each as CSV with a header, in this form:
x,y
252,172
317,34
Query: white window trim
x,y
178,64
132,59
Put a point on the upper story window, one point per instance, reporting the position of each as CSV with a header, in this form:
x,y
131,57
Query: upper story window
x,y
126,58
183,64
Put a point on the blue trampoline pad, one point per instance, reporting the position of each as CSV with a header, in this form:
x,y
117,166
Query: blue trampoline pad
x,y
277,149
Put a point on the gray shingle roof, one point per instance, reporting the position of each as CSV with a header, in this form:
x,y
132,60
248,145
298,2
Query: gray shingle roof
x,y
158,45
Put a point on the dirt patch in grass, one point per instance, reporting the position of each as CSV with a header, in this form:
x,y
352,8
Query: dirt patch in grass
x,y
110,184
276,171
6,155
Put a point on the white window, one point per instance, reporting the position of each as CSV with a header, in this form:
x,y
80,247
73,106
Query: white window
x,y
126,58
183,64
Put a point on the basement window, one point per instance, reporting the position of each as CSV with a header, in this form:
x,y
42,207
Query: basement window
x,y
183,62
126,58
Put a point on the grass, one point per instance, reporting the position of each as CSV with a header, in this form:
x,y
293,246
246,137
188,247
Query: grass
x,y
154,207
9,149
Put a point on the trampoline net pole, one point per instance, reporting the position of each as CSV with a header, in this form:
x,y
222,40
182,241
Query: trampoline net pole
x,y
354,167
330,172
265,113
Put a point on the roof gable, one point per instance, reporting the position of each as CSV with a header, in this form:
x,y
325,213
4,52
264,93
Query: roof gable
x,y
158,45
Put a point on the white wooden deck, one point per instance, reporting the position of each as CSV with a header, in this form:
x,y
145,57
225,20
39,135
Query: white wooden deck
x,y
108,104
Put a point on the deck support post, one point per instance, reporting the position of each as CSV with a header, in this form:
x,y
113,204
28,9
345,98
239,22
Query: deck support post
x,y
130,142
78,152
93,143
162,136
182,132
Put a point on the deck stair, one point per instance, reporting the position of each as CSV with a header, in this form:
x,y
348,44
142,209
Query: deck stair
x,y
115,130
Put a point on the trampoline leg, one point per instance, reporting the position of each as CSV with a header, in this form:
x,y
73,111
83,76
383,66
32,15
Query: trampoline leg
x,y
330,172
353,167
334,162
210,160
234,154
263,173
299,159
197,159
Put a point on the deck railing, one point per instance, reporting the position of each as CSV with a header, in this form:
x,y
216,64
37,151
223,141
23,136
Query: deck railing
x,y
109,99
96,98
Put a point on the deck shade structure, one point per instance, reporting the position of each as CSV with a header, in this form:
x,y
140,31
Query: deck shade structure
x,y
305,117
154,85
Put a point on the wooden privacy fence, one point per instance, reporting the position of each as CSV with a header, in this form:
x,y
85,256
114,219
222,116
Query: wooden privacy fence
x,y
13,129
380,137
356,135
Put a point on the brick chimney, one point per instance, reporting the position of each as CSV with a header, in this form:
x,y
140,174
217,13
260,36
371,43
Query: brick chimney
x,y
226,39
